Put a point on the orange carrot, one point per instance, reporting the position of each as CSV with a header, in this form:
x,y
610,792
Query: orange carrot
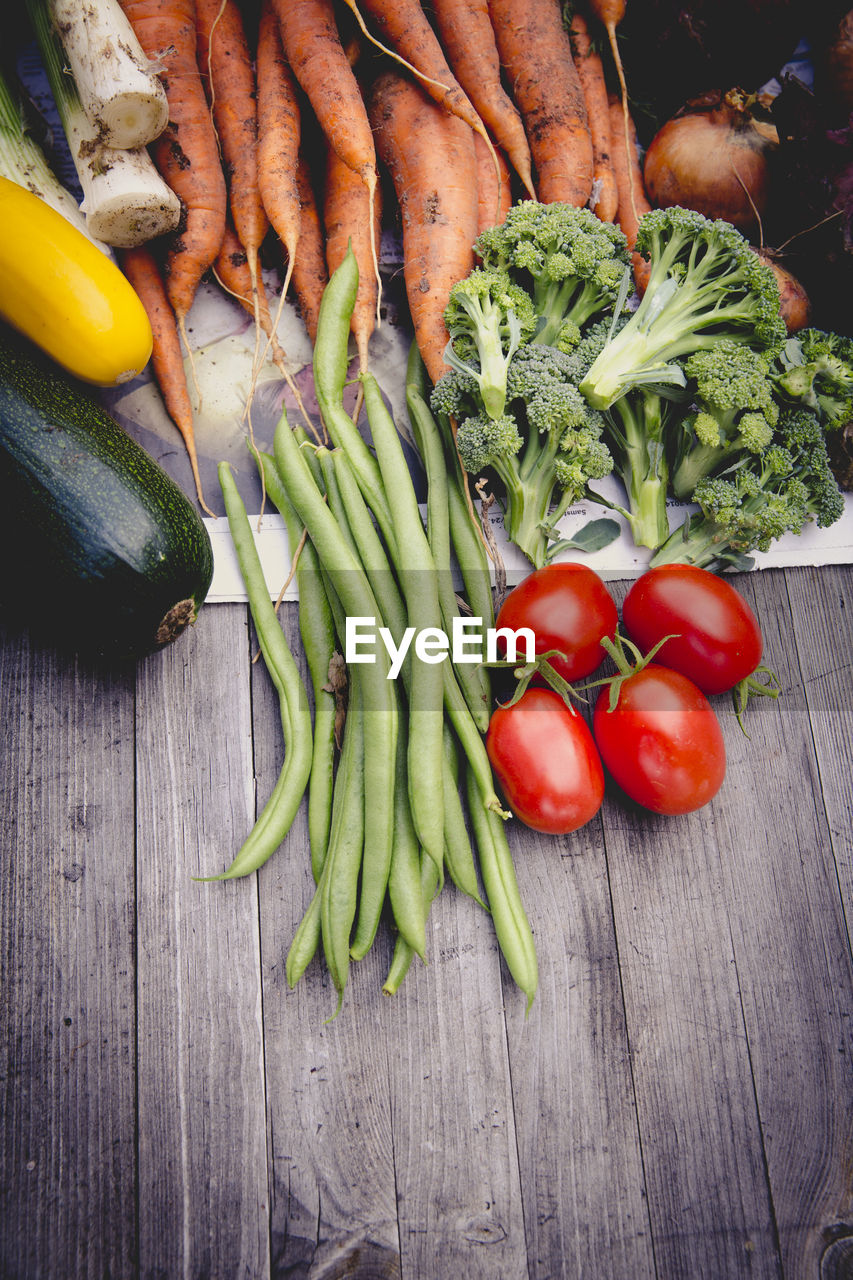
x,y
279,131
232,271
492,205
610,13
312,46
226,64
466,32
309,272
536,54
167,359
591,75
430,157
186,153
633,202
347,219
403,25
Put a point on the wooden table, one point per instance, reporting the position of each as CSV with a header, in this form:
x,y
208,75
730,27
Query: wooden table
x,y
677,1104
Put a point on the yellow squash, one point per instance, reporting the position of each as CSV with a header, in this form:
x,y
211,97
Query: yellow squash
x,y
65,295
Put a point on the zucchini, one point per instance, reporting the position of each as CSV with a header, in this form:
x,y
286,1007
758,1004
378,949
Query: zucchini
x,y
102,550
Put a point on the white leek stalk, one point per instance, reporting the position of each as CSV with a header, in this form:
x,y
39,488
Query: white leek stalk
x,y
23,161
125,200
119,90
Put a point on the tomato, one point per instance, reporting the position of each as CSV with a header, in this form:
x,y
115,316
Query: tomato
x,y
568,607
662,742
719,640
545,759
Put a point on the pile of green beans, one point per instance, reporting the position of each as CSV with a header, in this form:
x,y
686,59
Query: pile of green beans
x,y
405,793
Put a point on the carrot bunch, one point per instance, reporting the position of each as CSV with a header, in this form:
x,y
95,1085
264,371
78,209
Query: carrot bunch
x,y
458,106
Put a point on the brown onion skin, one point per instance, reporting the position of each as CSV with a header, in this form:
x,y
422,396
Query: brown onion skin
x,y
795,303
713,159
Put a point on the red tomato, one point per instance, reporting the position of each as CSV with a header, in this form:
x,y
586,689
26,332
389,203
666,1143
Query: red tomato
x,y
545,759
662,742
719,639
567,606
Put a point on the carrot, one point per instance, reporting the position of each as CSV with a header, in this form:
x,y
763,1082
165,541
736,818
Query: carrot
x,y
430,157
309,271
466,32
232,271
536,54
186,153
610,13
492,204
347,218
279,131
591,74
633,202
312,46
167,359
413,42
224,59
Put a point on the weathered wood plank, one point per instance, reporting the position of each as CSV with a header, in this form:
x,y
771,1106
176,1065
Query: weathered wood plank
x,y
709,1202
333,1189
202,1122
790,939
581,1169
67,1039
455,1142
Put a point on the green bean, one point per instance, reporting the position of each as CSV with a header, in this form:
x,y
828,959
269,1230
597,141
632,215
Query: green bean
x,y
331,362
471,741
511,924
317,629
380,707
403,953
473,678
458,854
417,574
404,882
278,813
339,882
305,941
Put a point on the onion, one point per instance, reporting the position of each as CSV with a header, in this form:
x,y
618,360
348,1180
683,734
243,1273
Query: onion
x,y
795,304
713,157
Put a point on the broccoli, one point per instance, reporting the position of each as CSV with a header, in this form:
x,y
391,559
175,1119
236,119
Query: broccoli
x,y
760,498
543,450
735,411
817,371
705,284
487,317
570,262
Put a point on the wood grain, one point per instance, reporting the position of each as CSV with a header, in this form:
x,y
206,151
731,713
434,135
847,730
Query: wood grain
x,y
676,1105
67,923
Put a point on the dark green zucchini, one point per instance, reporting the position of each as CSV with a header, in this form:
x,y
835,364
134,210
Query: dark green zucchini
x,y
101,550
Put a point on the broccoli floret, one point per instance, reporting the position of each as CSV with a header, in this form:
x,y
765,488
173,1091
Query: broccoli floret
x,y
488,317
762,497
570,262
817,371
543,450
705,285
735,412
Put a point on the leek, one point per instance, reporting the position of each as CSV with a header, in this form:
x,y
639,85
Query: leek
x,y
119,90
23,161
125,200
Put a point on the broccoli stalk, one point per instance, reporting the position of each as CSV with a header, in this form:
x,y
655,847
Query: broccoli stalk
x,y
636,427
543,450
760,498
735,412
488,318
705,284
570,262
